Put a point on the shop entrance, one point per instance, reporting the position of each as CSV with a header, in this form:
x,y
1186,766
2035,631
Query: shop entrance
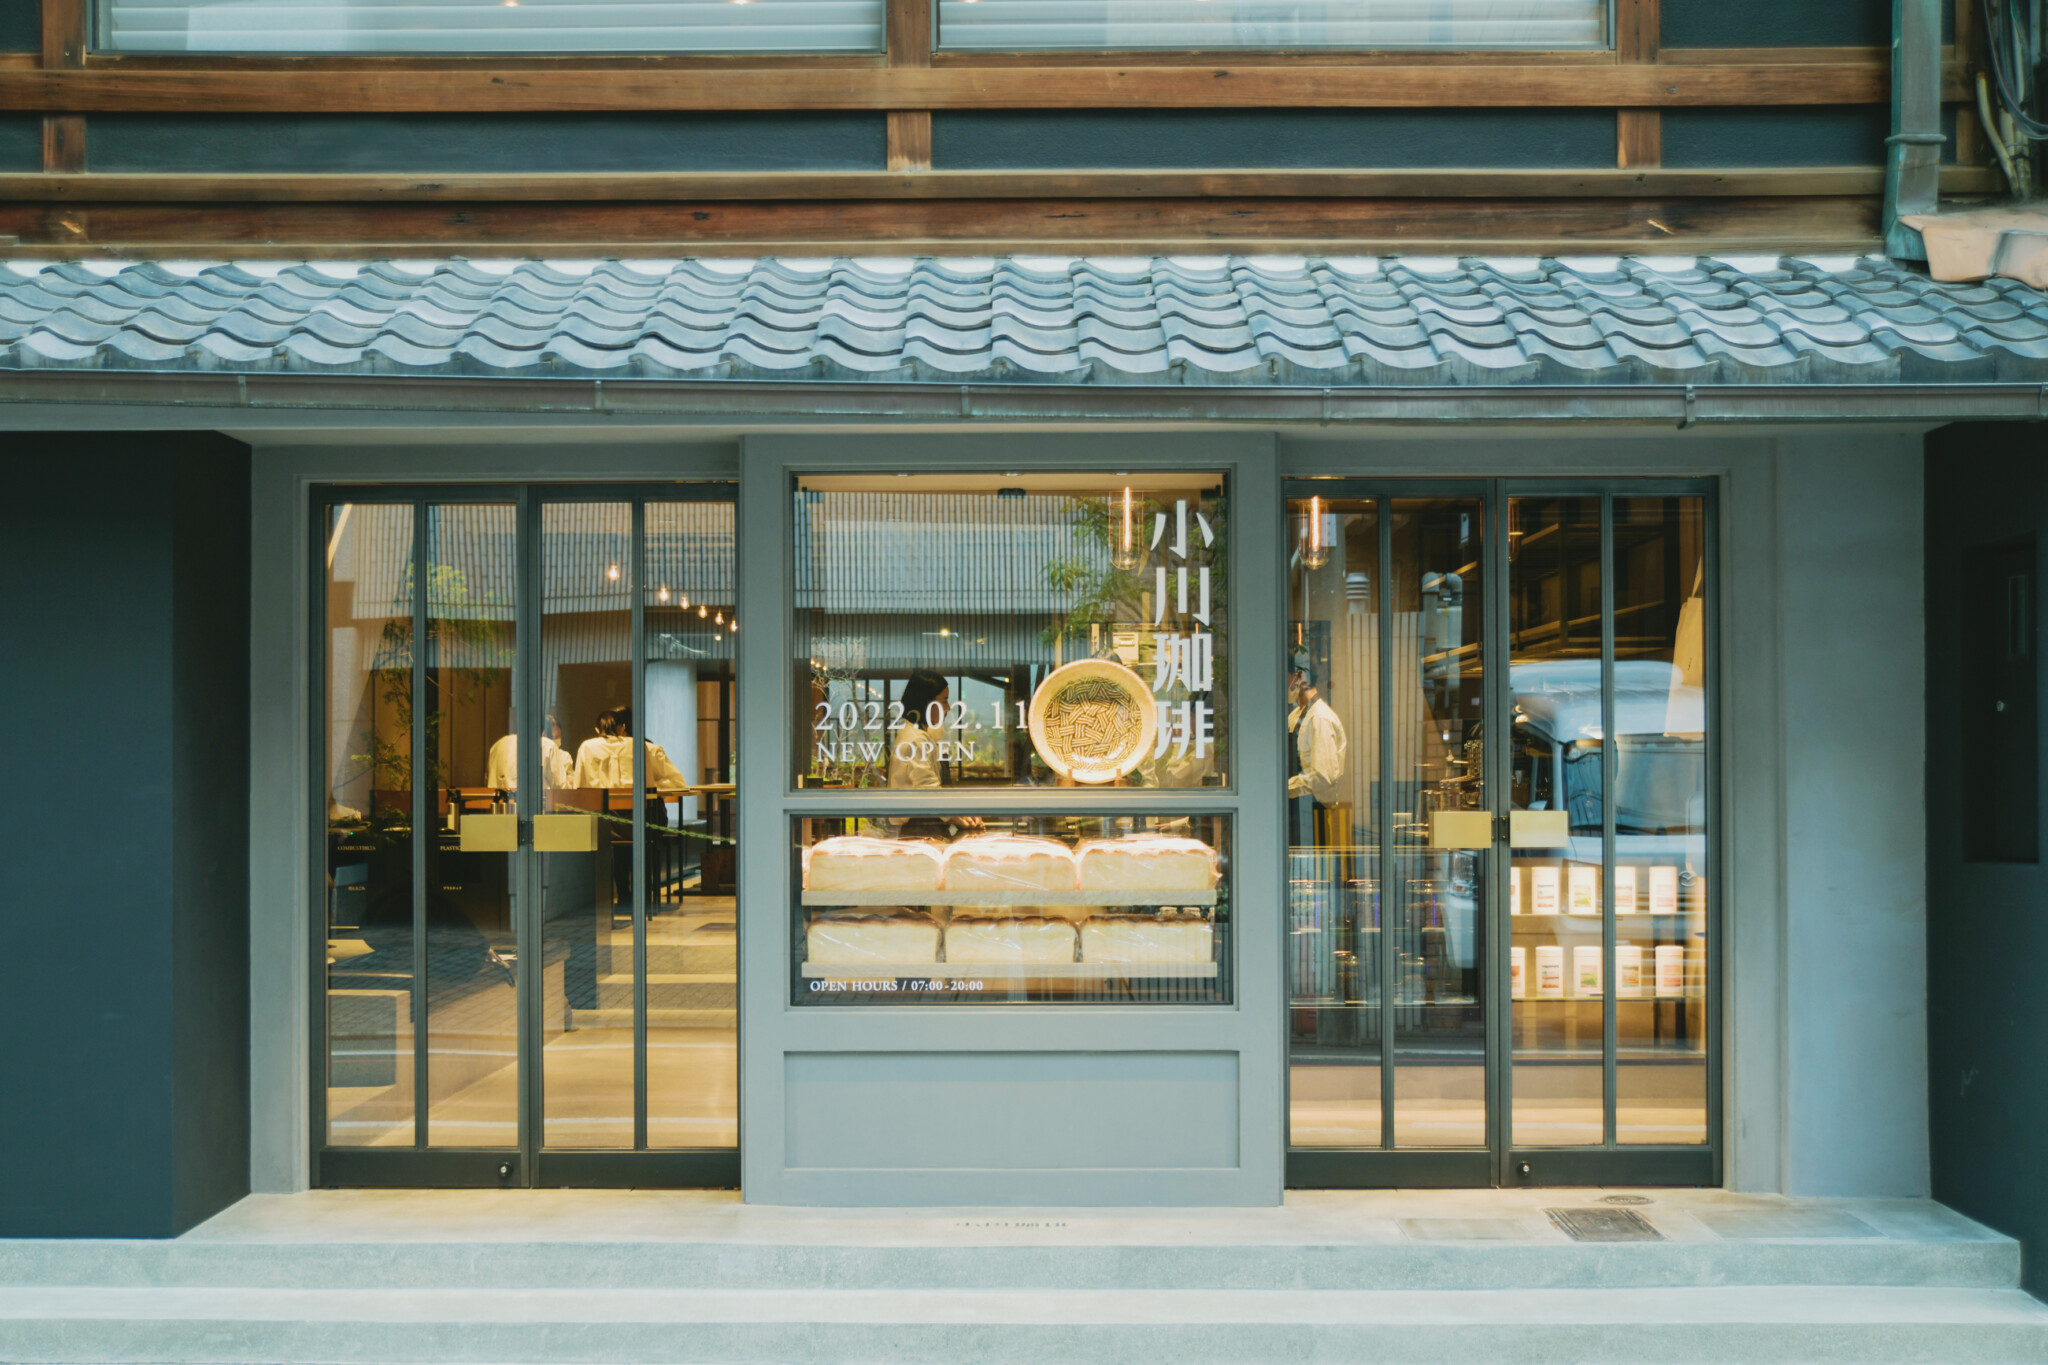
x,y
1501,920
524,702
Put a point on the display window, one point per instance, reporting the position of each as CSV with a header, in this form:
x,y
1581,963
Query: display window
x,y
1026,631
1117,909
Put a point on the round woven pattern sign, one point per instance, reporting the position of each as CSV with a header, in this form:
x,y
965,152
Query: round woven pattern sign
x,y
1093,720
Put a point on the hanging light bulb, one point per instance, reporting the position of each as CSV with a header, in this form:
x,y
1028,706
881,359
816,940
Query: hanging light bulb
x,y
682,599
1124,550
734,625
1317,535
612,573
700,609
663,594
719,619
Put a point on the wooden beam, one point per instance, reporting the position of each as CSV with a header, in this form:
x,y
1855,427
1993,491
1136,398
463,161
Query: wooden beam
x,y
1972,147
1143,227
1638,133
909,29
411,90
683,187
64,32
63,145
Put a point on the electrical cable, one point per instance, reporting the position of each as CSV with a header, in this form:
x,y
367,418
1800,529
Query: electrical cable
x,y
1996,40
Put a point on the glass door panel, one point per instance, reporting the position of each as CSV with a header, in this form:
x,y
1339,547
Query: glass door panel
x,y
692,993
584,836
472,949
367,826
1333,763
1556,955
1660,820
1436,883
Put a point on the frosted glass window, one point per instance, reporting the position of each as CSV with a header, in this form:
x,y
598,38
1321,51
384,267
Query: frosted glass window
x,y
544,26
1017,25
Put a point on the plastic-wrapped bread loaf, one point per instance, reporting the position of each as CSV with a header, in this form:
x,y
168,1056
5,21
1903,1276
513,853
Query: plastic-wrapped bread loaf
x,y
870,940
1148,938
1009,940
1147,863
1076,913
1009,862
854,862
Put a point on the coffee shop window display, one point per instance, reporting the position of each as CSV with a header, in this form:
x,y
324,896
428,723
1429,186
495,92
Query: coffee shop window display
x,y
980,636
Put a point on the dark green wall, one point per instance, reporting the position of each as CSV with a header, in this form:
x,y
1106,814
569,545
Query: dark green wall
x,y
124,833
487,142
1776,23
1987,923
21,142
1171,138
21,26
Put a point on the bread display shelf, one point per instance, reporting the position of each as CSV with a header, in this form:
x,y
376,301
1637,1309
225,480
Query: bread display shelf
x,y
846,899
1010,971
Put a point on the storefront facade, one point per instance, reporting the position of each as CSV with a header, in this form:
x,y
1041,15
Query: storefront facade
x,y
1247,1065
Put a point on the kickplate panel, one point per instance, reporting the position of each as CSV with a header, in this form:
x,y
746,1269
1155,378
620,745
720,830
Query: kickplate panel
x,y
1604,1225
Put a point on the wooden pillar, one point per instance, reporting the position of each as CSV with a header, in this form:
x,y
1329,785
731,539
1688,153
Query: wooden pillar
x,y
64,40
1639,133
910,44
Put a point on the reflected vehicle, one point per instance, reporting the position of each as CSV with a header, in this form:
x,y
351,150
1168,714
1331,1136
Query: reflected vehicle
x,y
1660,756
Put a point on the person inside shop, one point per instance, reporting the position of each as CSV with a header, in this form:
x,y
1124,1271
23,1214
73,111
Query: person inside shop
x,y
556,769
605,762
1315,758
913,757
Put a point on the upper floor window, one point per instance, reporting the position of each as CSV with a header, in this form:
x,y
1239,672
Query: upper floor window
x,y
509,26
1021,25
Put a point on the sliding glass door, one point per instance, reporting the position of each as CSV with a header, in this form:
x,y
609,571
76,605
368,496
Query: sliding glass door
x,y
1500,954
515,988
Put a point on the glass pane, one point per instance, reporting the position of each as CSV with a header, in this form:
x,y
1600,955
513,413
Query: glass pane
x,y
1433,892
586,850
472,948
1554,892
369,826
1036,631
1010,25
1333,877
1660,819
692,945
529,26
1099,910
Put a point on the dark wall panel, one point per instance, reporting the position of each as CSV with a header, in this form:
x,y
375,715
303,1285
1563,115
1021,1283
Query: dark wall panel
x,y
1844,135
21,142
1774,23
123,844
1987,922
1207,139
487,142
21,26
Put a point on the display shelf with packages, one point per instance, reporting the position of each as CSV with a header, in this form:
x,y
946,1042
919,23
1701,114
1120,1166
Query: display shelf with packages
x,y
1112,909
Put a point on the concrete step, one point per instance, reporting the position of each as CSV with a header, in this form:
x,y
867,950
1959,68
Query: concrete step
x,y
1701,1325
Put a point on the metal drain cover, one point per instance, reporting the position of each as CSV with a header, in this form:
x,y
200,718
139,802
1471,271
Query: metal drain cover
x,y
1633,1199
1604,1225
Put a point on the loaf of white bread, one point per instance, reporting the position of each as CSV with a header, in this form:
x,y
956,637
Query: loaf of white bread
x,y
1147,938
1009,940
1008,862
1147,862
842,940
854,862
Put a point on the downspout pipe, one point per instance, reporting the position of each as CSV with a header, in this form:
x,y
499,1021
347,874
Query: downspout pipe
x,y
1912,177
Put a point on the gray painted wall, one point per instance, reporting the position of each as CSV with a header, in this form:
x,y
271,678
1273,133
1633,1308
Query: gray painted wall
x,y
1986,933
1852,639
124,833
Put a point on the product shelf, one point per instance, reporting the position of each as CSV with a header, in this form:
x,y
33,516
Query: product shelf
x,y
1009,971
852,899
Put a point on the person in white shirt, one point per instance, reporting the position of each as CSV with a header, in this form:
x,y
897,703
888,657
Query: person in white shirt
x,y
556,769
1315,759
606,758
913,757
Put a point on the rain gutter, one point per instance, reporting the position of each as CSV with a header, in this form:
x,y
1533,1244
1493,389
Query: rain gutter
x,y
1912,176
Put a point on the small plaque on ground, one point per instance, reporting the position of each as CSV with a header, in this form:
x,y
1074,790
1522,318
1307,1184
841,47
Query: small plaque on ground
x,y
1630,1199
1604,1225
1464,1229
1763,1224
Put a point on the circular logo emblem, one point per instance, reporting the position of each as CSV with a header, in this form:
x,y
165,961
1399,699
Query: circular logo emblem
x,y
1093,720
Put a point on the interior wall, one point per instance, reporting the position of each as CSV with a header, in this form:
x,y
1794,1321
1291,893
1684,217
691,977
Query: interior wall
x,y
123,833
1852,641
1986,934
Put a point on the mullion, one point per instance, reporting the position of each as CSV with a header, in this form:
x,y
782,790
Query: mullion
x,y
420,760
1499,699
530,579
1383,820
638,637
1609,764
